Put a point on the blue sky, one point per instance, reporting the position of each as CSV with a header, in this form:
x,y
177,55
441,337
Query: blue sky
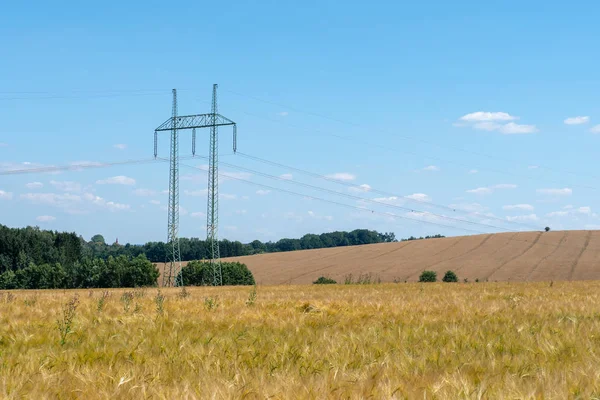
x,y
460,104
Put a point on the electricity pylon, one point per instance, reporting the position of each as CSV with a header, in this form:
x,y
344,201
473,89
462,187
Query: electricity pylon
x,y
172,275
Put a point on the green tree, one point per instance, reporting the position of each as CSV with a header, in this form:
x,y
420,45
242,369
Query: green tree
x,y
98,239
450,276
199,273
428,276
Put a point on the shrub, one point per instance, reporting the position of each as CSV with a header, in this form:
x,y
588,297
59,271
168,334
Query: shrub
x,y
428,276
199,273
450,276
324,281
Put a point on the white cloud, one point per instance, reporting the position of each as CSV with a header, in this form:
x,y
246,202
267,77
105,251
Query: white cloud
x,y
74,203
34,185
568,207
473,171
360,188
342,176
584,210
386,200
225,196
120,146
286,176
283,114
487,116
570,210
312,214
431,168
480,190
527,207
144,192
515,129
533,167
530,217
195,193
595,129
504,186
262,192
198,214
117,180
556,192
45,218
155,202
5,195
419,197
490,189
577,120
487,126
558,214
66,186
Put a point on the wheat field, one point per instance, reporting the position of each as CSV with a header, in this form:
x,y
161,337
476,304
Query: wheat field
x,y
384,341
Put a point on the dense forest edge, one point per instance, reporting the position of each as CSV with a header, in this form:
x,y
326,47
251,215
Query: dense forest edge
x,y
31,258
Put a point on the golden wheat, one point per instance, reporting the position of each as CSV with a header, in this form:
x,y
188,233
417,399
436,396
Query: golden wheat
x,y
479,340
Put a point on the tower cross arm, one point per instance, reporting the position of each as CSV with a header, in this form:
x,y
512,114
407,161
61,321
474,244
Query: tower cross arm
x,y
194,121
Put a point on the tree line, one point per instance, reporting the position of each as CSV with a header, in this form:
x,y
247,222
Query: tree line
x,y
197,249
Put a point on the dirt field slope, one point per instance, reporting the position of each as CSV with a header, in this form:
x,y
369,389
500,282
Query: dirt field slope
x,y
523,256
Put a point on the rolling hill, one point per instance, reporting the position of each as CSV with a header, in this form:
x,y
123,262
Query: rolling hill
x,y
522,256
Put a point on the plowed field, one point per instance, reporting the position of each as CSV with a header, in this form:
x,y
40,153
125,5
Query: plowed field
x,y
523,256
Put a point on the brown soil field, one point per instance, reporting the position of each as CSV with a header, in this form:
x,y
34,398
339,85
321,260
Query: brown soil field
x,y
523,256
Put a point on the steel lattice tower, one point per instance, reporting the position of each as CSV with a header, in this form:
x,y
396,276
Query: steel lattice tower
x,y
212,214
171,275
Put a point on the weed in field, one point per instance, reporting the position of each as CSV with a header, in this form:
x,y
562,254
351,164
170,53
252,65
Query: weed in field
x,y
251,297
126,299
102,301
159,300
139,292
211,303
90,293
183,293
65,322
30,301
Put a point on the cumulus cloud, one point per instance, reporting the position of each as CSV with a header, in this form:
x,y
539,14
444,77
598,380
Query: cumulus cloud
x,y
523,218
155,202
225,196
198,214
342,176
556,192
570,210
527,207
419,197
144,192
66,186
195,193
490,189
487,116
360,188
74,203
34,185
262,192
473,171
283,114
495,121
431,168
577,120
120,146
312,214
117,180
469,207
595,129
288,177
45,218
515,129
5,195
480,190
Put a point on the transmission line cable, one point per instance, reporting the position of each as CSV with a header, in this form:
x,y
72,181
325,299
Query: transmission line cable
x,y
76,167
372,190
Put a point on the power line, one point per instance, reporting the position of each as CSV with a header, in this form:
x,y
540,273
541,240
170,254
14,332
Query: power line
x,y
406,137
334,202
358,198
75,167
388,214
372,190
